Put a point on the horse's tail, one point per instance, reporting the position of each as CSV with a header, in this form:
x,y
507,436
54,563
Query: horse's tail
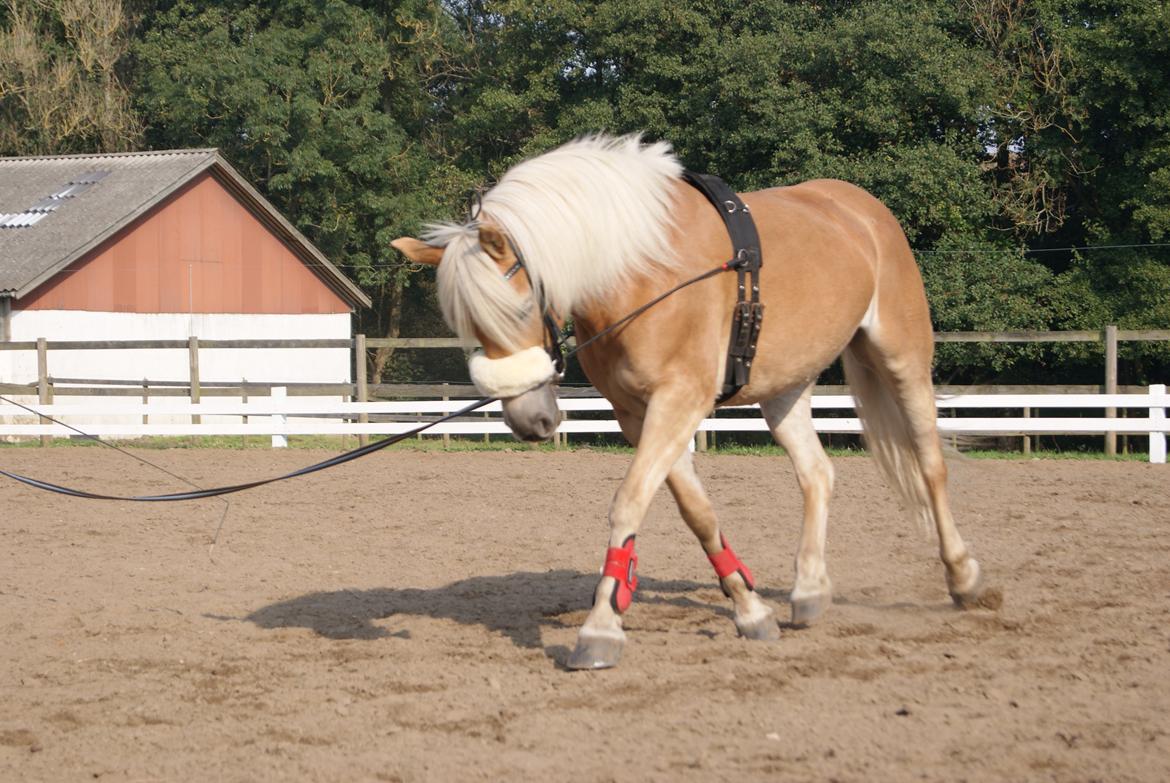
x,y
887,432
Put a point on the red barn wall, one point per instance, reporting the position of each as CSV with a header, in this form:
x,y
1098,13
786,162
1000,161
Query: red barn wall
x,y
201,251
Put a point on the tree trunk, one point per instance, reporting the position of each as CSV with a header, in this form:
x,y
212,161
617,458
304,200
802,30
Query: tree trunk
x,y
382,356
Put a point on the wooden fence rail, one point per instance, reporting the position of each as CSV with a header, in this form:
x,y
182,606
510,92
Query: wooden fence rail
x,y
46,386
280,416
1081,336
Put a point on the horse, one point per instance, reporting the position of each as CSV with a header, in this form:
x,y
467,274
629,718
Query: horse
x,y
597,228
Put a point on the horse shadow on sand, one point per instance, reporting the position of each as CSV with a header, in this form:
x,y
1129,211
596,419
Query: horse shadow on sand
x,y
517,605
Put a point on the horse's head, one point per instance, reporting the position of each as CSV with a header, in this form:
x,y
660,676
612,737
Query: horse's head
x,y
486,293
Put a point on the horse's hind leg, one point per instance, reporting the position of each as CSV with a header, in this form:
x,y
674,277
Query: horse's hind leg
x,y
789,417
754,619
896,396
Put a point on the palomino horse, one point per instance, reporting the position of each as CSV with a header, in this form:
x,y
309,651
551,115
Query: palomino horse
x,y
603,225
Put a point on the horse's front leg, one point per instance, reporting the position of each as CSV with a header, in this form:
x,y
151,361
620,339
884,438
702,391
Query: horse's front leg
x,y
754,619
671,419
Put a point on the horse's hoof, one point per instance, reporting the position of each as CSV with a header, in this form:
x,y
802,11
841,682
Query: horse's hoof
x,y
596,652
806,611
763,629
980,597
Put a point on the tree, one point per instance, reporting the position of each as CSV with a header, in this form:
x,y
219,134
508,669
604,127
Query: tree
x,y
325,106
998,131
890,95
60,90
1081,125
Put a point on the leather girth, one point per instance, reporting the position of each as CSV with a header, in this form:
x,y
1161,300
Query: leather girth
x,y
746,259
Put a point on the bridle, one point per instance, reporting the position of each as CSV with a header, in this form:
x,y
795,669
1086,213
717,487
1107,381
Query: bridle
x,y
554,343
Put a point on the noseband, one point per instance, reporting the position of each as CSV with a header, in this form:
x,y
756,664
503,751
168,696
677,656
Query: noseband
x,y
529,368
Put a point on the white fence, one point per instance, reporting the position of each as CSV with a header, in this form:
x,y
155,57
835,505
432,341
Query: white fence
x,y
281,416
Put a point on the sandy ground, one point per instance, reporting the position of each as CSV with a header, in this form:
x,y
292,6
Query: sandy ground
x,y
407,617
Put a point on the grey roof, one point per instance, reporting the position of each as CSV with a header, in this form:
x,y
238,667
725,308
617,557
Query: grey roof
x,y
40,236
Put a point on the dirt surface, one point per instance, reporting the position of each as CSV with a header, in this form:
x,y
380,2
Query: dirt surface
x,y
407,617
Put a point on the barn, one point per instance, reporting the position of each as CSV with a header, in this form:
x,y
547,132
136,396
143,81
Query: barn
x,y
161,246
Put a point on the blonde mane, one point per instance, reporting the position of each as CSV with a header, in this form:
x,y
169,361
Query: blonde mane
x,y
585,216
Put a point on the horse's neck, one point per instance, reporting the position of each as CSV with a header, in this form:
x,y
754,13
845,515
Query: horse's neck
x,y
599,313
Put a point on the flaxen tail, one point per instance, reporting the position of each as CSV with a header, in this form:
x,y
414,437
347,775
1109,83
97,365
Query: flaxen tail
x,y
887,431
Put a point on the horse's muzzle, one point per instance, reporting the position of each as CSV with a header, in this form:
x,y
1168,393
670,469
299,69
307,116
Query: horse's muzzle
x,y
534,415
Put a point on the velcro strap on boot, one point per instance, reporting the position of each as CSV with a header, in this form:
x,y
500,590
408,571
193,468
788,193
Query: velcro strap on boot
x,y
726,563
622,564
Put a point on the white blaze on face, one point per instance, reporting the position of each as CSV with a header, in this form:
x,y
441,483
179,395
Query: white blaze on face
x,y
512,375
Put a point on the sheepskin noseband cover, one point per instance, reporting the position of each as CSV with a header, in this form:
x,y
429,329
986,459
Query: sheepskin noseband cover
x,y
512,375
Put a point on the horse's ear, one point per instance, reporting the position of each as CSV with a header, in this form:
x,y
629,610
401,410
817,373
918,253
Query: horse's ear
x,y
417,251
492,240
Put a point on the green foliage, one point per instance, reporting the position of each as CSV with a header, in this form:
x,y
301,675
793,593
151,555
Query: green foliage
x,y
985,289
989,126
1082,124
321,103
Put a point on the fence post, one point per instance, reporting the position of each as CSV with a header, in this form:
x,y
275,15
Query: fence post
x,y
1027,437
1158,439
44,393
360,375
279,419
1111,385
193,361
446,437
145,399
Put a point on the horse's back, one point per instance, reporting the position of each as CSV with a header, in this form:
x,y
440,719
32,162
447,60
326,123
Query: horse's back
x,y
825,246
820,267
852,213
834,258
899,312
